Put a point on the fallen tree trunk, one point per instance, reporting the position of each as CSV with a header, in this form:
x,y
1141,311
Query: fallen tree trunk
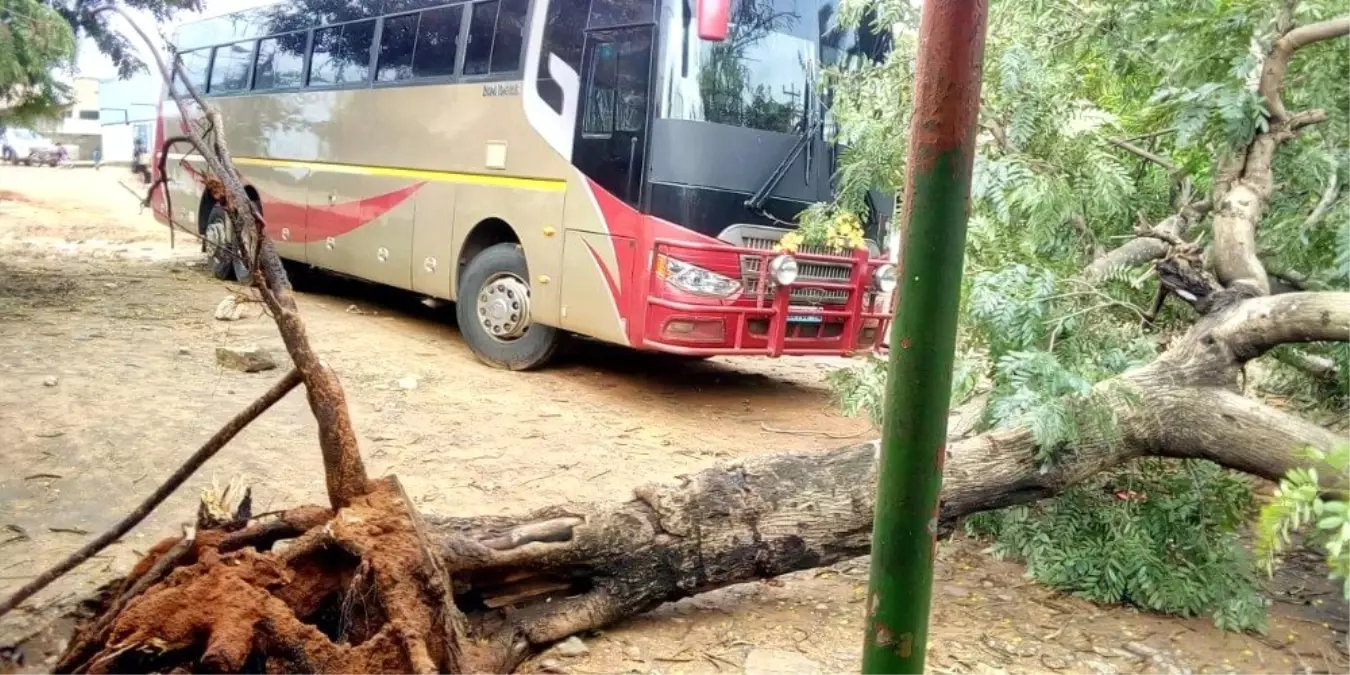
x,y
522,583
573,568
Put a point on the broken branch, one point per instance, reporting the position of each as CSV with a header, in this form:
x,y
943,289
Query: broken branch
x,y
1145,154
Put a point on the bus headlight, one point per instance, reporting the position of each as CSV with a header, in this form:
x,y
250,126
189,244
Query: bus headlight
x,y
784,269
885,277
691,278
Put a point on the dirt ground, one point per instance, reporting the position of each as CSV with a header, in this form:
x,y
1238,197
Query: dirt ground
x,y
108,378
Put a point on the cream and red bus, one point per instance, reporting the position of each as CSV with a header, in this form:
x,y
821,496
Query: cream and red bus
x,y
617,169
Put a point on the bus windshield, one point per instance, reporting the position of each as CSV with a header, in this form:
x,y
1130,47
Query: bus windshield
x,y
757,78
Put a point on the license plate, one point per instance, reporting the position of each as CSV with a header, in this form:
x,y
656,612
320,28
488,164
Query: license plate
x,y
804,318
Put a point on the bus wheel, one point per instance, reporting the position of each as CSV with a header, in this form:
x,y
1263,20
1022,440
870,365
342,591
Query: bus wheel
x,y
221,251
494,311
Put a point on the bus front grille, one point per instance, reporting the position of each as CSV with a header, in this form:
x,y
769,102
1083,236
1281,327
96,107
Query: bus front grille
x,y
806,271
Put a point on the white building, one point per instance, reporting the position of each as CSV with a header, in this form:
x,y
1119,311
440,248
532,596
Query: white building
x,y
127,113
79,128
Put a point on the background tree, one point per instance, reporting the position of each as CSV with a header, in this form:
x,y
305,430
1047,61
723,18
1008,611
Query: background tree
x,y
34,44
1131,152
86,23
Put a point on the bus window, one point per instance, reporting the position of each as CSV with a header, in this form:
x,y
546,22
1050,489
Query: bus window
x,y
437,42
478,51
598,121
613,140
507,42
194,67
396,48
229,69
281,61
341,54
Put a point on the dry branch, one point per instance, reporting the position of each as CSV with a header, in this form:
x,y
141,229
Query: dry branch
x,y
1144,154
344,470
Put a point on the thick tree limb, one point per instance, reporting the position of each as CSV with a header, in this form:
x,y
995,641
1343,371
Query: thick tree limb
x,y
1151,244
770,515
1235,259
1277,64
1133,253
578,567
1258,325
1246,182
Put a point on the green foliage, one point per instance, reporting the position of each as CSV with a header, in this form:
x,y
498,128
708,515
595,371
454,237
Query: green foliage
x,y
34,42
1160,534
1052,192
860,390
112,42
1300,503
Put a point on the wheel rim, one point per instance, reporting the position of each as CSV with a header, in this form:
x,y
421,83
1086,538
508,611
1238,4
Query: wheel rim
x,y
504,307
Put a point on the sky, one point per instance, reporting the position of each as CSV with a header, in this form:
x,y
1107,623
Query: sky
x,y
90,62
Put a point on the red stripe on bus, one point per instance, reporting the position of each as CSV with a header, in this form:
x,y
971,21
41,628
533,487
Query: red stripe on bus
x,y
316,222
614,285
621,220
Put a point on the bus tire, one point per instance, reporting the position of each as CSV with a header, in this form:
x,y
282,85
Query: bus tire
x,y
489,312
220,248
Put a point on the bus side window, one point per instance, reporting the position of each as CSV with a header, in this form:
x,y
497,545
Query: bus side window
x,y
437,42
281,61
397,41
478,51
195,65
507,43
341,54
229,69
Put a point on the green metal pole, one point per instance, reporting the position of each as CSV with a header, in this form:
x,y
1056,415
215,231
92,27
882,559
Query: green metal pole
x,y
923,336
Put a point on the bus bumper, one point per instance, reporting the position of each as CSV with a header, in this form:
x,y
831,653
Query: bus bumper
x,y
763,321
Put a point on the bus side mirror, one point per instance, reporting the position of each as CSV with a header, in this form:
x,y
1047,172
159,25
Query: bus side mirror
x,y
712,19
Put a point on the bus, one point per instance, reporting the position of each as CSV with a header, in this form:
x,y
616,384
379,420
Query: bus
x,y
616,169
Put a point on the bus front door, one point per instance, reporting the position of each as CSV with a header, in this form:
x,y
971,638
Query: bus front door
x,y
611,139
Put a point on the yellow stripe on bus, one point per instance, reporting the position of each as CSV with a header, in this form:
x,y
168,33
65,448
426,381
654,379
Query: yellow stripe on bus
x,y
546,184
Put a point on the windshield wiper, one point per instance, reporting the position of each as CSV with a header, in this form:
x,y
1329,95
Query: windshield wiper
x,y
756,201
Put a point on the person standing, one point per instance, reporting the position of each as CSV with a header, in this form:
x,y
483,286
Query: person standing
x,y
138,164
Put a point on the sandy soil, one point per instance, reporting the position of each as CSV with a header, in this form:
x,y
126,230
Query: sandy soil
x,y
108,378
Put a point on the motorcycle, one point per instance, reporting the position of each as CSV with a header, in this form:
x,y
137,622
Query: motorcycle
x,y
41,156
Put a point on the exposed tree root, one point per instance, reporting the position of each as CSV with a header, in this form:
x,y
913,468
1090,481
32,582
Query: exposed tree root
x,y
357,592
